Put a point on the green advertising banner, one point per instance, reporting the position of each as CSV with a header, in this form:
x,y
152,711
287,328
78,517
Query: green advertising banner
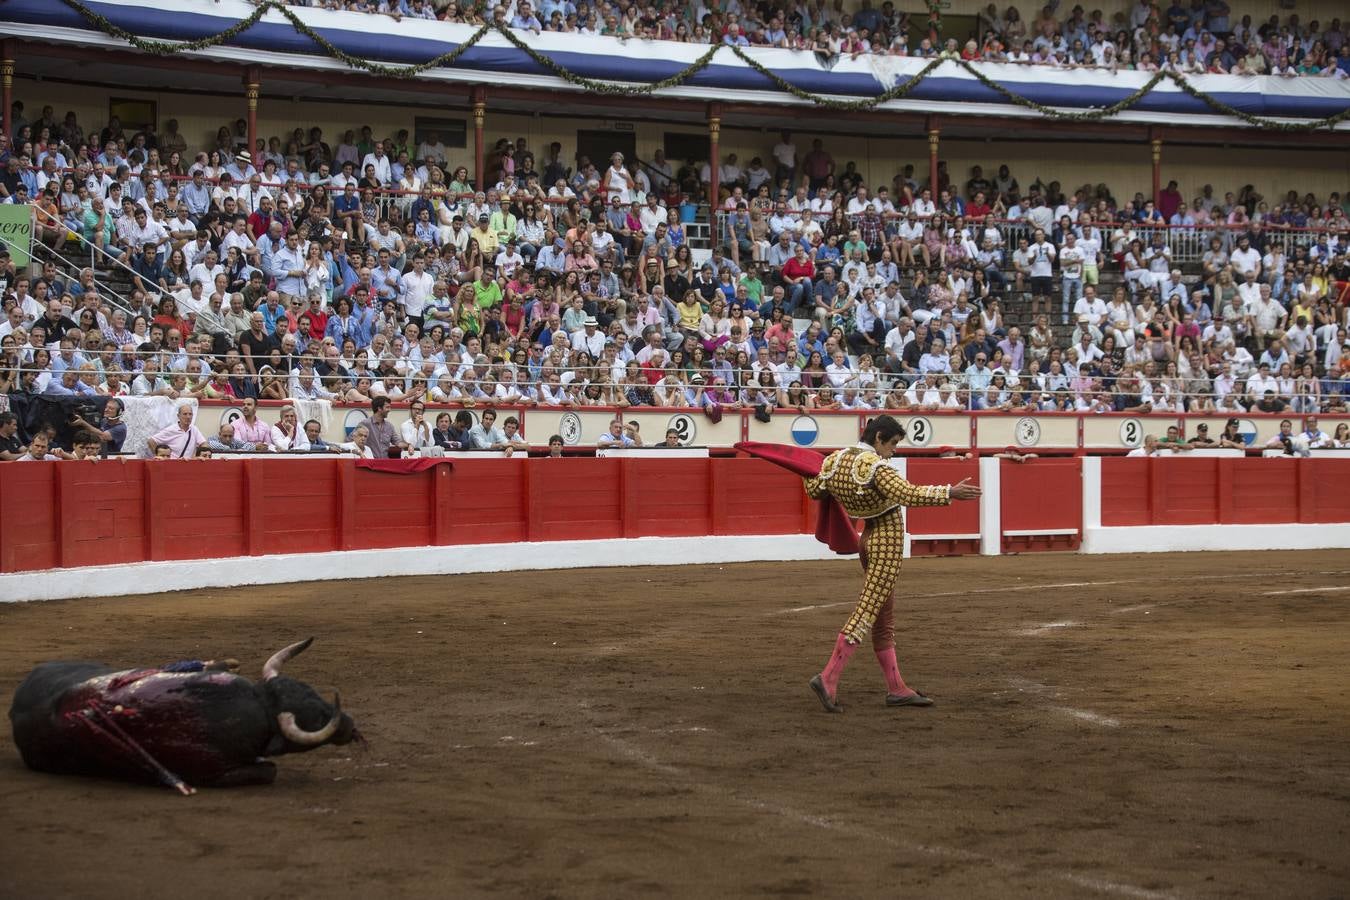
x,y
16,231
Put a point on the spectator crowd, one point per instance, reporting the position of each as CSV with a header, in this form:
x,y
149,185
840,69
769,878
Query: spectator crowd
x,y
1202,37
371,270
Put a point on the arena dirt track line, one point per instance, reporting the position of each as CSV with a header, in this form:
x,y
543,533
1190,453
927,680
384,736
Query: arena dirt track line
x,y
1178,732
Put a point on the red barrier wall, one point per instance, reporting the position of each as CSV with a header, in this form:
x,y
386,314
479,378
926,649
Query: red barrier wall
x,y
1224,491
945,521
116,511
1045,495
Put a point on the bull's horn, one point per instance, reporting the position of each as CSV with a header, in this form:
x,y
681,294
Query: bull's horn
x,y
297,735
272,668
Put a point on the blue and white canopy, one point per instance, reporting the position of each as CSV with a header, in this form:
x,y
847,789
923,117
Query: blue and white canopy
x,y
950,88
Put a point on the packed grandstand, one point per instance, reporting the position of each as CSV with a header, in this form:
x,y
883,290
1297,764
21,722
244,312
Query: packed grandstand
x,y
1202,37
355,266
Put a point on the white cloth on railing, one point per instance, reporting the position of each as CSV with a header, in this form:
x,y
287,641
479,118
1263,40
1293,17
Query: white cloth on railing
x,y
319,410
147,416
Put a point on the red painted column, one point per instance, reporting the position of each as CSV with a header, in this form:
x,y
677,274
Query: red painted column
x,y
7,72
479,113
714,162
252,85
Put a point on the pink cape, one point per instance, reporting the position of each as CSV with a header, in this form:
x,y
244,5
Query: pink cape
x,y
834,528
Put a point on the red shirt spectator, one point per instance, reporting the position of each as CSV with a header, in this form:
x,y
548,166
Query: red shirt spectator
x,y
799,267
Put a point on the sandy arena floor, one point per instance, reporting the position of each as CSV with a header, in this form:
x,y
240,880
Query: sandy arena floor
x,y
1160,726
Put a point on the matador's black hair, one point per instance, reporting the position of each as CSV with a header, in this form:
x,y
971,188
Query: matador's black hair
x,y
882,428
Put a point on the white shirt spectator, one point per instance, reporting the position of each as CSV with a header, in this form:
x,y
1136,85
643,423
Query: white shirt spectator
x,y
207,276
1094,309
381,164
1041,255
1245,261
415,291
593,343
1071,263
838,375
650,218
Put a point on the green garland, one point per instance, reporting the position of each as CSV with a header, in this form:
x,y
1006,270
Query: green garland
x,y
1158,77
169,48
865,103
1257,121
610,87
1091,115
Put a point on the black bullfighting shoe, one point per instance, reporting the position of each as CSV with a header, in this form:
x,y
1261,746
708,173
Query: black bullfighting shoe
x,y
914,699
818,685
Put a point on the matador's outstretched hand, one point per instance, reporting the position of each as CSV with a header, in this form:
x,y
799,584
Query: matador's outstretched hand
x,y
964,490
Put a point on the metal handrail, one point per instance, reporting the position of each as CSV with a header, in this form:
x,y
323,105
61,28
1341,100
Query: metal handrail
x,y
114,298
1187,243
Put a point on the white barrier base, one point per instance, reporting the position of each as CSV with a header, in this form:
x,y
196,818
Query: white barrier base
x,y
155,577
1175,538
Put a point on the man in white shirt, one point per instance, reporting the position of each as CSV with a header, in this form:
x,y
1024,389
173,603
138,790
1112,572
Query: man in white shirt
x,y
924,393
239,238
1217,331
652,214
1268,317
838,373
935,360
1151,447
1071,275
909,239
859,203
415,290
205,272
1090,305
896,340
432,149
1041,259
1246,259
145,230
380,160
1041,216
924,207
589,338
509,259
1249,290
821,204
729,173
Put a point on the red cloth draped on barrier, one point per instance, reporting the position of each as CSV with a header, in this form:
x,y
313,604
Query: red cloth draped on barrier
x,y
402,466
834,528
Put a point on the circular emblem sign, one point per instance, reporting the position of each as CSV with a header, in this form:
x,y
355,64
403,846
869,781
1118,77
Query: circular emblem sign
x,y
685,427
353,418
919,432
1131,432
1247,428
804,431
1027,432
230,415
569,428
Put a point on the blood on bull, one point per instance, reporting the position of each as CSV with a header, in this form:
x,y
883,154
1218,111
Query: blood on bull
x,y
188,723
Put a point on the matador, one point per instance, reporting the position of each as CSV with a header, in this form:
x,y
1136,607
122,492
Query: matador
x,y
868,488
